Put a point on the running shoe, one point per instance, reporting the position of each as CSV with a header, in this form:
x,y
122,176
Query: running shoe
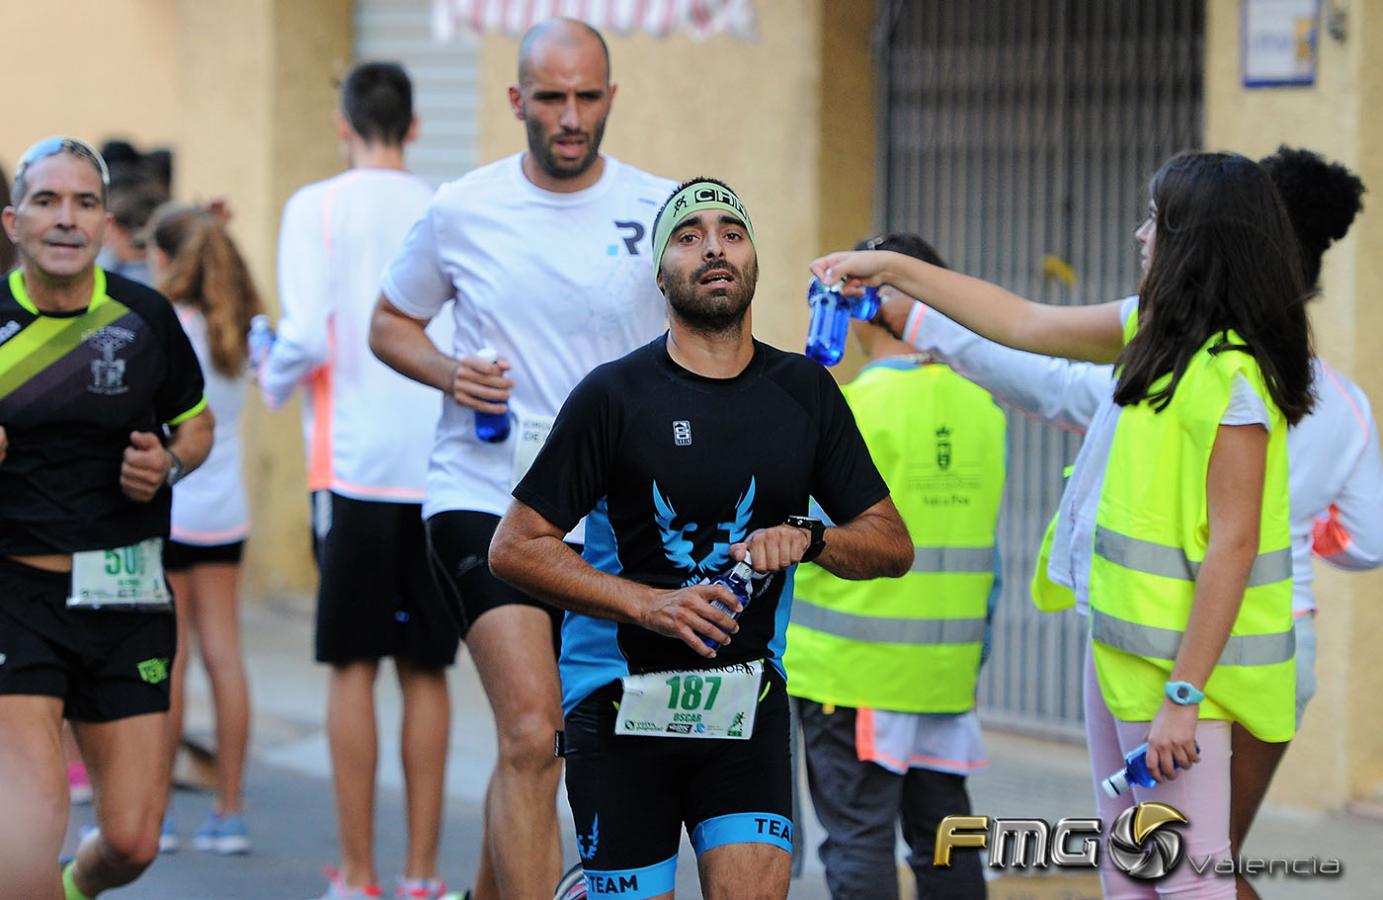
x,y
572,886
78,783
337,889
227,835
168,837
421,889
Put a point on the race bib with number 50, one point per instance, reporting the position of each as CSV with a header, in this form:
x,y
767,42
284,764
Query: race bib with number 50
x,y
125,577
701,703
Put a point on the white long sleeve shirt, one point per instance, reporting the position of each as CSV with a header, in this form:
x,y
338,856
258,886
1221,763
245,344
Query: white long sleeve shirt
x,y
367,428
1335,474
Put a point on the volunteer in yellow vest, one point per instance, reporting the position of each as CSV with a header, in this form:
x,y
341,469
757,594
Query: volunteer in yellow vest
x,y
883,672
1173,529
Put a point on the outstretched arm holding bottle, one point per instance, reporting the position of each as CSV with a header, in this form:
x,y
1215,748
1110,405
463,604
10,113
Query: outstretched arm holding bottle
x,y
1093,333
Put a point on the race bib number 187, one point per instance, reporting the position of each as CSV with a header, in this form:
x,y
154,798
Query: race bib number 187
x,y
702,703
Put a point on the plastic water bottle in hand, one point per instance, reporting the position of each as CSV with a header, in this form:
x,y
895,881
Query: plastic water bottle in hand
x,y
1134,772
832,311
492,428
260,339
739,579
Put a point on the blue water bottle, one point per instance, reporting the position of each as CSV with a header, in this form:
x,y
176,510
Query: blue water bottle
x,y
865,306
492,428
830,323
260,340
739,579
1134,772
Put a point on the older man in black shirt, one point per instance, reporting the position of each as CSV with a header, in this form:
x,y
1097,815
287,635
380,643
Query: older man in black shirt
x,y
101,410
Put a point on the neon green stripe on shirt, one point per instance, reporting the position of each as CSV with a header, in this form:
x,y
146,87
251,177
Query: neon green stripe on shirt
x,y
21,293
46,341
179,419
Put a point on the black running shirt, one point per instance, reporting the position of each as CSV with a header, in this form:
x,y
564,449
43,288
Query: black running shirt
x,y
72,388
673,468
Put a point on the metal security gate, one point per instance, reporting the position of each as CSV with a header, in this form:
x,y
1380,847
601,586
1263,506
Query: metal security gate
x,y
446,81
1017,135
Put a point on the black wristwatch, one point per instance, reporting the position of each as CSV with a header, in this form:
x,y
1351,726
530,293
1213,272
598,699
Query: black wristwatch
x,y
176,470
818,533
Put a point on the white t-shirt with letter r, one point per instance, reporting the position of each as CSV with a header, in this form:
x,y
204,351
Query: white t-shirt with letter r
x,y
557,283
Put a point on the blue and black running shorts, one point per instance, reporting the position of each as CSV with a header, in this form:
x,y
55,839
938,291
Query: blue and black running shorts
x,y
632,795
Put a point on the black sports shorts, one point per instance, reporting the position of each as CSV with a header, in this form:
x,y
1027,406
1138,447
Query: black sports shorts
x,y
376,597
632,795
103,664
178,556
458,546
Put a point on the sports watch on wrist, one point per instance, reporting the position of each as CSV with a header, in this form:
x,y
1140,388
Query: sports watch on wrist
x,y
817,528
176,470
1183,693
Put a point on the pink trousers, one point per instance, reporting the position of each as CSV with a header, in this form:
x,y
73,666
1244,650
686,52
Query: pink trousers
x,y
1201,793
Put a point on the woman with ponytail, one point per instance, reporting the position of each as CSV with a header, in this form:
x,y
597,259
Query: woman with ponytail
x,y
197,266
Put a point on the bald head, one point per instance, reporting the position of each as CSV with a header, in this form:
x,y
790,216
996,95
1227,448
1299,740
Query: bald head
x,y
560,33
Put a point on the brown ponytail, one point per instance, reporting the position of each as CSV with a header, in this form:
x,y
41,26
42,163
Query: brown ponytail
x,y
206,271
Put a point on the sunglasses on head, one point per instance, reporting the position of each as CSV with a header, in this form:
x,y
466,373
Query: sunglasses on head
x,y
879,240
53,146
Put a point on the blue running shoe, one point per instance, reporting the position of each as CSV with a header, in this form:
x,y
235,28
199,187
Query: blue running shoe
x,y
226,835
168,836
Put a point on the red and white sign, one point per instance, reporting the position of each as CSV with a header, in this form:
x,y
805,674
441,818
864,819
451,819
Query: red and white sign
x,y
697,19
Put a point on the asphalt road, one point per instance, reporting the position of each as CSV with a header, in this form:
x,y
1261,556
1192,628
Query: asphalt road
x,y
289,805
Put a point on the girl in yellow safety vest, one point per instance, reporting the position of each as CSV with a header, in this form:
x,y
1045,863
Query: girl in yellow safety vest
x,y
1173,530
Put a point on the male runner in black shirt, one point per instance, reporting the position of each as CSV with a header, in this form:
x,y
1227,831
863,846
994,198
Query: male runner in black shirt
x,y
689,454
93,369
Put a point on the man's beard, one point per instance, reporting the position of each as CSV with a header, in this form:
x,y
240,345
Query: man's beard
x,y
542,149
718,311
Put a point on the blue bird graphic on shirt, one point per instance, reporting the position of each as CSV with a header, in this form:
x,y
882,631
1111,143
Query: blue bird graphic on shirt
x,y
679,542
587,845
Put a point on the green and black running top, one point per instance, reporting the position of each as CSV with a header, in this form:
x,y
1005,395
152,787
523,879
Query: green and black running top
x,y
72,388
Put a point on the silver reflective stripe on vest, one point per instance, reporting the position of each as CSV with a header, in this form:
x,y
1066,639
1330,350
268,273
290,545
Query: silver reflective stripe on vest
x,y
1171,562
1163,643
885,630
949,560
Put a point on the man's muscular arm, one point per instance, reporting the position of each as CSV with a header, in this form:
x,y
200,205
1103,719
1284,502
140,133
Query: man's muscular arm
x,y
401,343
527,551
874,544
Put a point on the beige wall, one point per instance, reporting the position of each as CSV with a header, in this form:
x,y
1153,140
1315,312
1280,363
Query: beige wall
x,y
765,117
243,94
59,80
1339,755
256,100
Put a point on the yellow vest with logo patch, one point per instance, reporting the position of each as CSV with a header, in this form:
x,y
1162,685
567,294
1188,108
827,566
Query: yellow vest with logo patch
x,y
911,644
1151,535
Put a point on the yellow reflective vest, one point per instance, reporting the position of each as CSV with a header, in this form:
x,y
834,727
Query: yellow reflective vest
x,y
1151,535
911,644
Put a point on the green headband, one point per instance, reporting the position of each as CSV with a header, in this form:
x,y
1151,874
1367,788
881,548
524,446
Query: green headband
x,y
692,199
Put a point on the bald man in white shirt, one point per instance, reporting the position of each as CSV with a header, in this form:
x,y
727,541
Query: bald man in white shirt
x,y
546,254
